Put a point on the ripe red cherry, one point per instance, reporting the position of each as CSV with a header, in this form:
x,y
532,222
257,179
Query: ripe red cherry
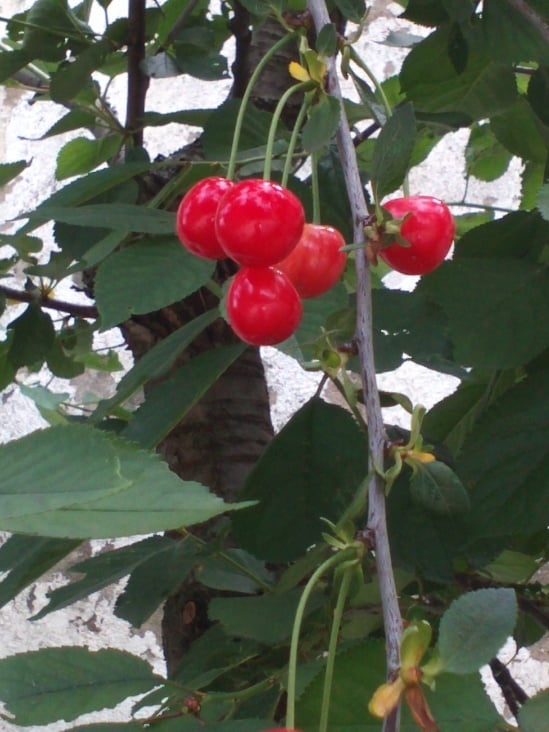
x,y
263,306
316,262
195,220
429,230
259,222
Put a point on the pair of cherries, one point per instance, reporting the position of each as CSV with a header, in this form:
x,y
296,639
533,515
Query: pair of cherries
x,y
261,226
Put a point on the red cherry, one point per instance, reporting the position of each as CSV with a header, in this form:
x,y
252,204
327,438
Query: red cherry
x,y
259,222
195,220
429,229
317,262
263,306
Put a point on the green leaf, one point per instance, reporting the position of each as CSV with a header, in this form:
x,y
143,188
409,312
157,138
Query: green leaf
x,y
437,488
393,150
234,571
110,566
353,10
459,10
542,201
211,655
322,123
115,216
425,12
9,171
38,471
218,130
82,155
513,35
534,714
517,130
72,75
147,276
152,499
73,120
266,618
310,470
511,568
11,62
474,628
47,402
156,362
326,40
481,90
538,93
520,234
504,462
485,156
502,297
167,403
44,686
33,336
27,558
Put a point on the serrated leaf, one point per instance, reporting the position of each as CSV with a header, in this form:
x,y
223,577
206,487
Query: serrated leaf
x,y
437,488
485,156
481,90
82,155
514,35
71,76
504,462
152,499
265,618
542,201
9,171
474,628
38,471
167,403
122,216
517,130
27,558
33,336
534,713
44,686
310,470
149,275
156,362
353,10
393,150
11,62
322,123
502,296
326,40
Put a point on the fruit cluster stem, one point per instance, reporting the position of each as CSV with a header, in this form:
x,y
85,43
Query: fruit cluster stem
x,y
377,518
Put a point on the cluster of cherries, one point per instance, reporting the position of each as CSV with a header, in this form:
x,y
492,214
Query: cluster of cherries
x,y
261,226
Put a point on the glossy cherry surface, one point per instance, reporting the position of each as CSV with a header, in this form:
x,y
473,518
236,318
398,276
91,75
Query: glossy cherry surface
x,y
429,229
259,222
195,220
263,307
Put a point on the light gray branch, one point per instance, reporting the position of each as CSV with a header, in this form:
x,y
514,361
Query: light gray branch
x,y
377,523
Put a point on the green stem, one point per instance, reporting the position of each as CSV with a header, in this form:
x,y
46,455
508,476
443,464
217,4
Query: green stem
x,y
245,99
481,206
293,140
274,124
387,106
332,647
315,187
309,587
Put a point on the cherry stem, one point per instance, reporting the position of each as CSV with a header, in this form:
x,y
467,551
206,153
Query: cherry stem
x,y
298,620
293,139
246,98
302,85
332,647
315,187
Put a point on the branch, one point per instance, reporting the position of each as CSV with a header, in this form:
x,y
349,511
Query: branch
x,y
535,19
377,522
138,82
181,21
513,693
72,308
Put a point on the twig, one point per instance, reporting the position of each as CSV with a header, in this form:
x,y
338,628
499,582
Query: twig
x,y
180,21
514,695
138,82
377,523
72,308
